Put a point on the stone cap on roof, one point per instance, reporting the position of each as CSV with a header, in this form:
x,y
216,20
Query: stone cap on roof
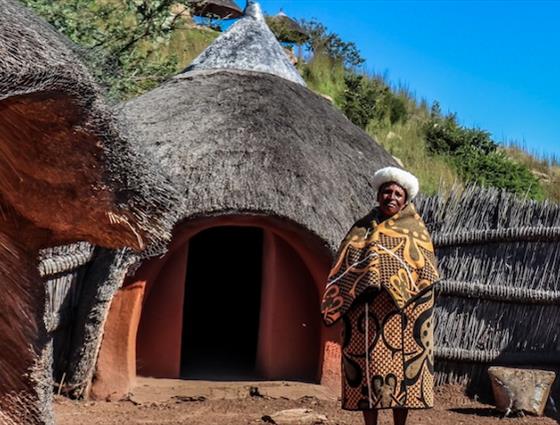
x,y
248,45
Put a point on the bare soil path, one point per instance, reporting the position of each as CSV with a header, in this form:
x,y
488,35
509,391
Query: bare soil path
x,y
172,402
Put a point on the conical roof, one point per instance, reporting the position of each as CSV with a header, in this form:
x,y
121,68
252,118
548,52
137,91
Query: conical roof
x,y
224,9
248,45
241,142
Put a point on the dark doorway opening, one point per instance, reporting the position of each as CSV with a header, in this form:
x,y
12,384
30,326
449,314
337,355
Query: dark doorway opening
x,y
222,303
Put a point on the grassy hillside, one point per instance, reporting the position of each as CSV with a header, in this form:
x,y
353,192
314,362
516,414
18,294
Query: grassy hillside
x,y
547,170
187,42
132,47
406,138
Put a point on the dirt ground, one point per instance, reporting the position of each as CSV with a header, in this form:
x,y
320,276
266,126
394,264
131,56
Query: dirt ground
x,y
170,402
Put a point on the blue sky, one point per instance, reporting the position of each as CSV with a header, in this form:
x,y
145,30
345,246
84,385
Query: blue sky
x,y
495,63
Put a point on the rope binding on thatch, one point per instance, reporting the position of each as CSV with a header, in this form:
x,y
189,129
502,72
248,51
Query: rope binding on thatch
x,y
488,356
501,293
63,263
526,234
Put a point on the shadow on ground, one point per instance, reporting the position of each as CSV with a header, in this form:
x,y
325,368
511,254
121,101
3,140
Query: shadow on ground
x,y
489,412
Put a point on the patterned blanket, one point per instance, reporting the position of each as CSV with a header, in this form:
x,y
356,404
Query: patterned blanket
x,y
395,255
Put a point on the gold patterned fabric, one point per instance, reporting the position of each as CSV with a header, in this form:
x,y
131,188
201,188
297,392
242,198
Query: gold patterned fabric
x,y
387,353
395,255
381,286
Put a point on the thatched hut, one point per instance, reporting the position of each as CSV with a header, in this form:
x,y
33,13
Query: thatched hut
x,y
223,9
499,301
65,175
272,176
287,29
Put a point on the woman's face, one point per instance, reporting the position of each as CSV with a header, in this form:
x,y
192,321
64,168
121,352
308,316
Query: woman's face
x,y
391,198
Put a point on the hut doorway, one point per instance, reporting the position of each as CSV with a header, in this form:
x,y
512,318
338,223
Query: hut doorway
x,y
222,303
235,297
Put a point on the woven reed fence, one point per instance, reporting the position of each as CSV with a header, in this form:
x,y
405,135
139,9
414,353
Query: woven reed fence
x,y
63,270
499,300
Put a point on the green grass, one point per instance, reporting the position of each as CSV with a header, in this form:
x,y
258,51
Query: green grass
x,y
159,59
546,169
188,42
405,142
324,76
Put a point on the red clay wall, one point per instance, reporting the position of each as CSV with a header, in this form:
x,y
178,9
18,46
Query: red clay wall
x,y
116,365
289,334
161,325
292,341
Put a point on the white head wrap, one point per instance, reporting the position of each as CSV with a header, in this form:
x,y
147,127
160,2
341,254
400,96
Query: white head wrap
x,y
403,178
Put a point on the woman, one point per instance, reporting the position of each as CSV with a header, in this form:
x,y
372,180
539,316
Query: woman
x,y
381,287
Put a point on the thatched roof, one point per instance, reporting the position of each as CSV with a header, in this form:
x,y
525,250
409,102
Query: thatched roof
x,y
238,141
61,147
224,9
34,57
248,45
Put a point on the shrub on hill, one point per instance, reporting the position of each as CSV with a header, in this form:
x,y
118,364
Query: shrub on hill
x,y
321,40
445,136
496,169
545,167
477,158
124,42
366,99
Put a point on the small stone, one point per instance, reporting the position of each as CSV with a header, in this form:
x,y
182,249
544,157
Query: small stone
x,y
326,96
290,53
518,390
255,392
186,399
397,160
295,416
